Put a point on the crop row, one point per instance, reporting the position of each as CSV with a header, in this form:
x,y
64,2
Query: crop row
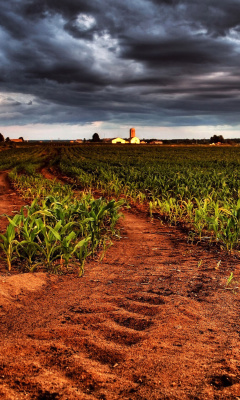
x,y
195,186
57,229
199,187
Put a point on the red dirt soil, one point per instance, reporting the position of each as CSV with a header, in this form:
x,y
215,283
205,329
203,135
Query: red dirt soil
x,y
154,320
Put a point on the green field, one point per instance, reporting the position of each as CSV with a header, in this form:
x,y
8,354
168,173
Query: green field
x,y
197,187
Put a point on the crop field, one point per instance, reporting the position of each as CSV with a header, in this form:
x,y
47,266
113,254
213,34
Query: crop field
x,y
197,187
58,227
119,272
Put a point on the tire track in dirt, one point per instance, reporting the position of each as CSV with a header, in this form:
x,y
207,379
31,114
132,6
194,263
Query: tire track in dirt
x,y
49,173
10,203
145,323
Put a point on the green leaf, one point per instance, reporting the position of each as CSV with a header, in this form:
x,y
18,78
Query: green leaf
x,y
71,236
54,232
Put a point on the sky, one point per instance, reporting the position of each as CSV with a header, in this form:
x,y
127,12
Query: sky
x,y
70,68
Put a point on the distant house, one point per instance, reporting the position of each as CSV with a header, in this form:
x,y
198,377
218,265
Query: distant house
x,y
79,141
215,144
20,140
157,142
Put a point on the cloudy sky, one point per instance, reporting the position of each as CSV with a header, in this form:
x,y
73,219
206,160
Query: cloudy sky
x,y
70,68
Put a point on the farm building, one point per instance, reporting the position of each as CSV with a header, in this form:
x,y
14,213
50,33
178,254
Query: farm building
x,y
20,140
132,133
118,140
133,139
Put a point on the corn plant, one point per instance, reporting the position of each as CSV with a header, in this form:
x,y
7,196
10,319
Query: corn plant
x,y
8,242
56,231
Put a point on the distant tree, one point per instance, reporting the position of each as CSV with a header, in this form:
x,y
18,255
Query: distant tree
x,y
95,137
1,138
221,139
217,139
23,139
7,139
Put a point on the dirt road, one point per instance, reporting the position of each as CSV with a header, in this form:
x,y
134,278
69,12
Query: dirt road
x,y
9,201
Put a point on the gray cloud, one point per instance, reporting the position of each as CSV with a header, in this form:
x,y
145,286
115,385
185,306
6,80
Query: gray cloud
x,y
146,61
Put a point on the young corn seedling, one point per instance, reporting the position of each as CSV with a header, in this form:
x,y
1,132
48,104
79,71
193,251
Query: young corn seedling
x,y
82,252
28,248
230,279
232,284
8,241
70,247
49,239
107,243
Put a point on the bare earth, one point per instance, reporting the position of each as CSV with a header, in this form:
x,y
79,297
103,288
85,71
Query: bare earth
x,y
153,320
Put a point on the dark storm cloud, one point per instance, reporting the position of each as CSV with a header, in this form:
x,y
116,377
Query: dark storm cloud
x,y
181,51
68,9
168,62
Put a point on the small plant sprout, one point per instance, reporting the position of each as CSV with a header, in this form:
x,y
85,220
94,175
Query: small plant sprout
x,y
200,263
218,264
230,279
229,285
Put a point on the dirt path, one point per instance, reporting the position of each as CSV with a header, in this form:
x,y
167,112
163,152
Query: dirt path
x,y
49,173
154,320
9,201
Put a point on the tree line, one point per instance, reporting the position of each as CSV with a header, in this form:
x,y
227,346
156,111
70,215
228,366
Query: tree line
x,y
2,139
